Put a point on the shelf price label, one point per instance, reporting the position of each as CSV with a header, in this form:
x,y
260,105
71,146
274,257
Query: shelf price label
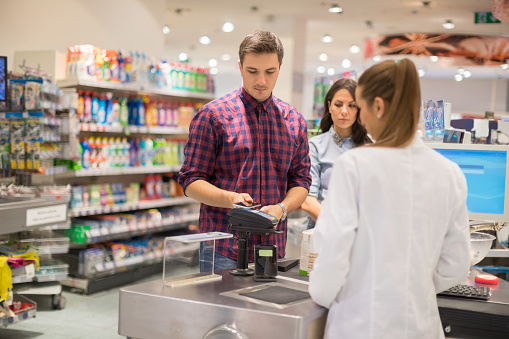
x,y
46,215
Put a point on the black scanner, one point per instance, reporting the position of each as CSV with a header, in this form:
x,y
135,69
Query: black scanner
x,y
245,221
251,218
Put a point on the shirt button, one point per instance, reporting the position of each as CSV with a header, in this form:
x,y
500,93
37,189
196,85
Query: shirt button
x,y
263,166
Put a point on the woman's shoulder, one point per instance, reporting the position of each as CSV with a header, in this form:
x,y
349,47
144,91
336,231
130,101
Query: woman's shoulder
x,y
320,138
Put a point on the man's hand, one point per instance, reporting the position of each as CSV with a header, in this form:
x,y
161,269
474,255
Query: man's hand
x,y
274,210
242,198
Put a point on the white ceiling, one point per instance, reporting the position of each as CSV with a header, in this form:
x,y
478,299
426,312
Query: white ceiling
x,y
190,19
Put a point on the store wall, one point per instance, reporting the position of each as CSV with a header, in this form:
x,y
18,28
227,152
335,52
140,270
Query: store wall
x,y
57,24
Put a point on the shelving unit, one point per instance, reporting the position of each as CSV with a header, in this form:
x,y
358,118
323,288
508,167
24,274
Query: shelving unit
x,y
22,314
114,273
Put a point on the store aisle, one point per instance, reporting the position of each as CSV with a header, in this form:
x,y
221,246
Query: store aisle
x,y
85,316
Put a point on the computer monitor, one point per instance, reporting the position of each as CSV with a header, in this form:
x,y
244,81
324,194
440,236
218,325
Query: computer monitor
x,y
486,170
3,79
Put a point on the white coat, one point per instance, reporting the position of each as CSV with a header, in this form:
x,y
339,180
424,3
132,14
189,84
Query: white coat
x,y
392,233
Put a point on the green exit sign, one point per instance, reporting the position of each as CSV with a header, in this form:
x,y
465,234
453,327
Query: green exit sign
x,y
485,18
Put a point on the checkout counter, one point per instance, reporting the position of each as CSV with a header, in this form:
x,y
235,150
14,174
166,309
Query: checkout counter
x,y
224,309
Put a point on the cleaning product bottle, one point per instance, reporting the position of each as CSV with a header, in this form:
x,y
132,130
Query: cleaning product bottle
x,y
109,108
101,111
125,148
95,107
123,112
152,108
105,154
85,155
140,118
169,113
115,112
161,114
87,107
81,106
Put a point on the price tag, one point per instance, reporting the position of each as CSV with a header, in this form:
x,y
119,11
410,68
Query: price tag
x,y
95,233
46,215
99,267
104,231
109,265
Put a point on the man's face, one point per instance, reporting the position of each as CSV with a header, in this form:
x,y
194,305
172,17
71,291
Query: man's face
x,y
259,73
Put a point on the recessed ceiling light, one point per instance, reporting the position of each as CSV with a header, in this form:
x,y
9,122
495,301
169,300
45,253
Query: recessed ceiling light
x,y
228,27
323,57
320,69
330,71
505,66
212,62
204,40
335,9
346,63
326,38
467,74
213,70
433,58
448,24
458,77
421,73
354,49
183,56
166,29
225,57
377,58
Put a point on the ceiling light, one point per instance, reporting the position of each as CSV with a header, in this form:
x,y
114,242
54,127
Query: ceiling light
x,y
505,66
458,77
323,57
346,63
213,70
354,49
326,38
421,73
433,58
330,71
320,69
204,40
467,74
166,29
377,58
212,62
183,56
448,25
226,57
335,9
228,27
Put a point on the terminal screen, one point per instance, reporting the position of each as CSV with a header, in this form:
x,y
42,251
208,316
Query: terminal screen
x,y
485,172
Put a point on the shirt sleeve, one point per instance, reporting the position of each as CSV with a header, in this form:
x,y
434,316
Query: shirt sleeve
x,y
200,154
298,175
334,233
454,262
314,190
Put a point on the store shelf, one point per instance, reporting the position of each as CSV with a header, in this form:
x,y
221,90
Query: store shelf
x,y
122,273
121,231
28,311
117,171
137,88
89,127
17,216
140,205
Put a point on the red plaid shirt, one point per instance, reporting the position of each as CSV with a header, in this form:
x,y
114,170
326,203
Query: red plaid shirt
x,y
240,145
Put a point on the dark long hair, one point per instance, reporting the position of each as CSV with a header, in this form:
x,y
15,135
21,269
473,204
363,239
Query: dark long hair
x,y
359,133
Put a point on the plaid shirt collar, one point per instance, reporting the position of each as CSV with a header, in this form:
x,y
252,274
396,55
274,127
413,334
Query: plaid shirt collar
x,y
251,103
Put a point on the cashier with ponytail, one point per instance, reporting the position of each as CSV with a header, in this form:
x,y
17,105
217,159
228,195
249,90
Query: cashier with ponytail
x,y
393,230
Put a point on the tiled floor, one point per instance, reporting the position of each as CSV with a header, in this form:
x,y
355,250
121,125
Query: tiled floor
x,y
85,316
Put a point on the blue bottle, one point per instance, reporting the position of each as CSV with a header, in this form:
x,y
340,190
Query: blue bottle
x,y
101,111
95,107
85,154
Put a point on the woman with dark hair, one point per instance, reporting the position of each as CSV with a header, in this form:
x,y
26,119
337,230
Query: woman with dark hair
x,y
393,231
341,131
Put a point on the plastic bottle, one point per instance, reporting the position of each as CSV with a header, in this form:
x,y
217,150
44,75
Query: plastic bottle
x,y
105,153
126,153
109,108
176,114
85,155
123,112
95,107
161,114
81,106
93,152
133,110
151,115
115,112
87,108
101,111
169,113
140,117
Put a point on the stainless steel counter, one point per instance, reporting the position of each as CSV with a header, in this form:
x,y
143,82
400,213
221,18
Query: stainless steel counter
x,y
216,310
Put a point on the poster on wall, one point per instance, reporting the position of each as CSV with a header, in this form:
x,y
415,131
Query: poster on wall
x,y
457,50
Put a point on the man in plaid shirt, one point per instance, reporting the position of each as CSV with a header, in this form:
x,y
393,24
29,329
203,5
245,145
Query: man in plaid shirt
x,y
247,146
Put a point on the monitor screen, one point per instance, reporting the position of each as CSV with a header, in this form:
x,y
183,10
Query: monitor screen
x,y
485,169
3,78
